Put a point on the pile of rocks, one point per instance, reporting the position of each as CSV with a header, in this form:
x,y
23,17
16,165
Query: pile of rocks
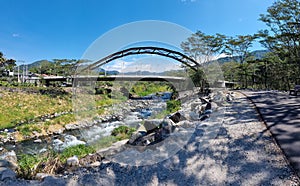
x,y
154,131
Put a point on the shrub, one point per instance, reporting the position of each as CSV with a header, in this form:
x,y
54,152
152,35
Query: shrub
x,y
78,150
173,105
122,132
27,165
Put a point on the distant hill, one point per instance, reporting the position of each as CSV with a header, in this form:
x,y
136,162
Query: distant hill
x,y
35,64
258,54
165,73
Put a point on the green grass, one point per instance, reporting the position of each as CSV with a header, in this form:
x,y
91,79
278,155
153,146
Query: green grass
x,y
146,88
20,107
173,105
62,120
26,130
122,132
79,150
28,165
49,162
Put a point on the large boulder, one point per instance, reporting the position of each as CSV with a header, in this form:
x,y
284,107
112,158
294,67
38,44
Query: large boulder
x,y
151,125
177,117
167,126
9,160
6,173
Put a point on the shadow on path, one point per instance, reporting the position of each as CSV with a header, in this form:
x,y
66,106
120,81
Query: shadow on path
x,y
281,113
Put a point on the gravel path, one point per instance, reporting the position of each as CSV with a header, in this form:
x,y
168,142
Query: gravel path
x,y
238,151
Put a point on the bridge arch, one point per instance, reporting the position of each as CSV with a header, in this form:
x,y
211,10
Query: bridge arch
x,y
178,56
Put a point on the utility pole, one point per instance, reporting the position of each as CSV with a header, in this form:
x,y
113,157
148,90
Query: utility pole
x,y
23,73
18,74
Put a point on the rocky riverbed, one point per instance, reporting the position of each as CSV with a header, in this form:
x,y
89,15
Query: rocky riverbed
x,y
230,147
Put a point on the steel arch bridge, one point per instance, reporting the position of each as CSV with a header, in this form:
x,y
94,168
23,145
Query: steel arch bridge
x,y
182,58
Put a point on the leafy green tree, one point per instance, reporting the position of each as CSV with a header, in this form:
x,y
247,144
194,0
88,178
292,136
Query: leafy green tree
x,y
6,64
283,33
239,49
202,47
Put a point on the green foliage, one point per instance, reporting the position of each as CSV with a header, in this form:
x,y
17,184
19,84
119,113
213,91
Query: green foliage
x,y
202,47
27,165
27,129
173,105
78,150
122,132
21,107
146,88
6,64
49,162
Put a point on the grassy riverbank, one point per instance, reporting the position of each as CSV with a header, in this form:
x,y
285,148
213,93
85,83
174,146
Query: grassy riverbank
x,y
39,110
43,110
22,107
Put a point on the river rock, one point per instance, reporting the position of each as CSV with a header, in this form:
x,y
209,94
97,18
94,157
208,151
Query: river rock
x,y
184,124
90,159
95,164
229,97
9,160
176,117
193,116
59,131
41,176
152,124
73,161
135,136
113,149
58,145
194,105
6,173
71,126
168,126
50,180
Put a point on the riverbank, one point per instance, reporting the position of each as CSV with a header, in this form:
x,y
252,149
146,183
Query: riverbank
x,y
237,151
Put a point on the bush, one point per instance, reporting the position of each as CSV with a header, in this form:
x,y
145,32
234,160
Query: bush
x,y
173,105
27,165
78,150
122,132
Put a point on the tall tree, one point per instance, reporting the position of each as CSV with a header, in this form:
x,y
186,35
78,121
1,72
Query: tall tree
x,y
239,49
202,47
282,37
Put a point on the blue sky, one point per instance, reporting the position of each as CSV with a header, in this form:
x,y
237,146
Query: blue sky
x,y
32,30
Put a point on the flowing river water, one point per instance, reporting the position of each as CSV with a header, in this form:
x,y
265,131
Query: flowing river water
x,y
92,134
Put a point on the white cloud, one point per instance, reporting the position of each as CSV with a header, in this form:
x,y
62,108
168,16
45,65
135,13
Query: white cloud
x,y
188,1
16,35
151,64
